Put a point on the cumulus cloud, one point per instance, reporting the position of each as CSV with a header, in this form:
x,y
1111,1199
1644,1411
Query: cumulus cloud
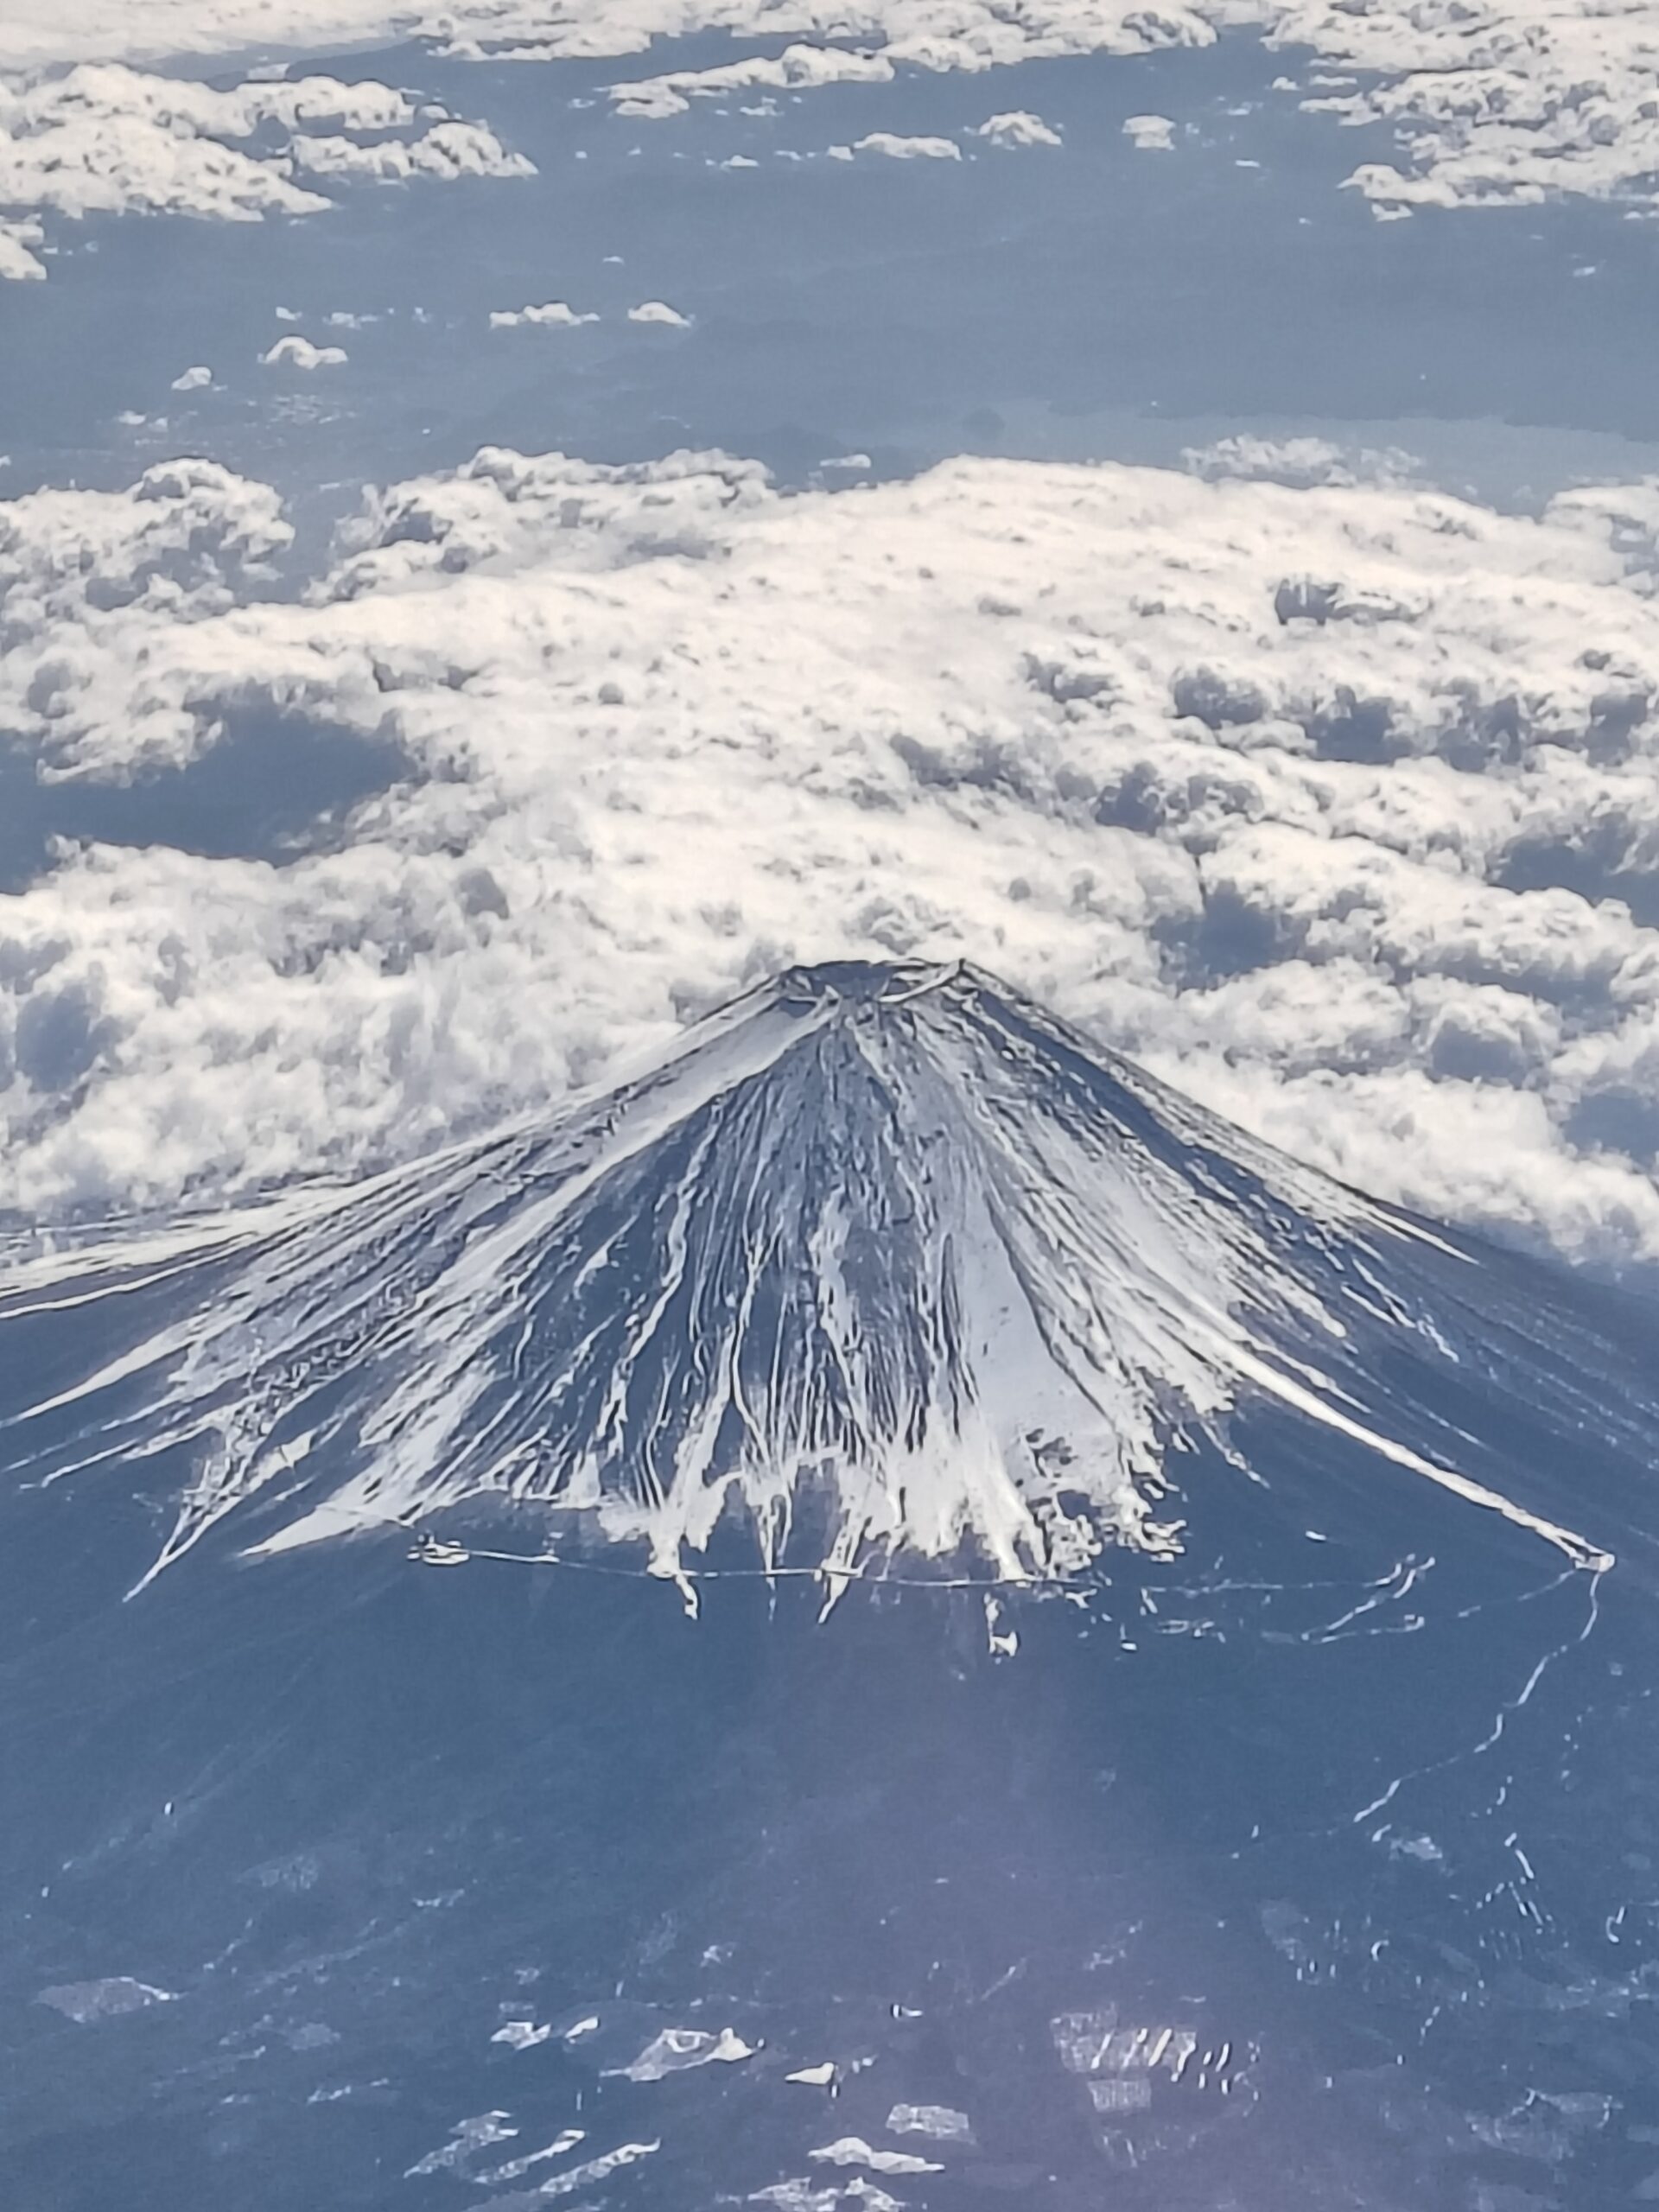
x,y
798,68
296,352
930,34
659,311
555,315
18,260
1512,105
1299,462
105,139
1335,805
448,150
1152,133
188,537
196,379
898,148
1018,127
1518,99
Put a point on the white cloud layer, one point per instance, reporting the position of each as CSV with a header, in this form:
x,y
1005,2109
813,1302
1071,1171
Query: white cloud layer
x,y
928,34
103,139
1330,803
1505,101
1496,105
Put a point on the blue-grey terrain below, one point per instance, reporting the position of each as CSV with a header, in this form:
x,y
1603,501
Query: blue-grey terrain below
x,y
1094,303
887,1614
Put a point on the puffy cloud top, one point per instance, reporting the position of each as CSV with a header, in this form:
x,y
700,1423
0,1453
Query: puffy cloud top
x,y
556,314
899,148
798,68
296,352
1506,102
1152,133
1018,127
1338,805
1299,462
19,236
105,139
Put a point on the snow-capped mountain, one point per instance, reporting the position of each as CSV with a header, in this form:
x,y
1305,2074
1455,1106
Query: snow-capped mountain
x,y
881,1265
1304,1855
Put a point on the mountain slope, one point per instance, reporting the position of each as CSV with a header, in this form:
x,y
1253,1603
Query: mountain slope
x,y
880,1262
1305,1855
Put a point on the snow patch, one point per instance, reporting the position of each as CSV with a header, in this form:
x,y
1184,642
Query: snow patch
x,y
942,2123
854,2150
85,2002
675,2050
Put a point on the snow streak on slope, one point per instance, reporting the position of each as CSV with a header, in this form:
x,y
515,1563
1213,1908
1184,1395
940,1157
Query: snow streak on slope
x,y
880,1260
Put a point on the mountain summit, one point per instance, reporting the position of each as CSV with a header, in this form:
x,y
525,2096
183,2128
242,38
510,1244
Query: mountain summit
x,y
879,1260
